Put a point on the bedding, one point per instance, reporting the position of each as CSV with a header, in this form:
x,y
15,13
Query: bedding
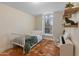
x,y
32,40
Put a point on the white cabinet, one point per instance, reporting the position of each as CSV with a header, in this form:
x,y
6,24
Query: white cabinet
x,y
67,48
75,40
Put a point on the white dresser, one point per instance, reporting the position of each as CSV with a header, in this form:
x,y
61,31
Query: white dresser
x,y
67,48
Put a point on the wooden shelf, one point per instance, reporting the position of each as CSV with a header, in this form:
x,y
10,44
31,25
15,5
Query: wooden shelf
x,y
71,26
69,11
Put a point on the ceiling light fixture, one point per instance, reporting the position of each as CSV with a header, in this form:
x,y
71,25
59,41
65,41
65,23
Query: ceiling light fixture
x,y
36,2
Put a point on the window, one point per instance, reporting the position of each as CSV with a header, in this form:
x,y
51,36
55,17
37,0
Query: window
x,y
48,19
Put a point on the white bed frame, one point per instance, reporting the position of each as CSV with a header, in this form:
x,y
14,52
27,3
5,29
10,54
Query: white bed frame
x,y
21,40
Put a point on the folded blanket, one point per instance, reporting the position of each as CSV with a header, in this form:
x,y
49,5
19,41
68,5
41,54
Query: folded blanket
x,y
29,42
27,47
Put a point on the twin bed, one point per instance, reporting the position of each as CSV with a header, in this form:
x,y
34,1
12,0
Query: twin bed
x,y
27,42
39,47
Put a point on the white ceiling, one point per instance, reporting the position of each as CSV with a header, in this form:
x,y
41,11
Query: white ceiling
x,y
37,8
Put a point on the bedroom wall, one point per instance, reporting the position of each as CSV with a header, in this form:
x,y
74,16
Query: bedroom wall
x,y
13,21
38,22
58,24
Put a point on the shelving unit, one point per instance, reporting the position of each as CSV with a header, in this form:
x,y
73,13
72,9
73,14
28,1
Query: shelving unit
x,y
71,26
69,11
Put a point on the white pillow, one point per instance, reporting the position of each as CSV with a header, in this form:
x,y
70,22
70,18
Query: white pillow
x,y
39,37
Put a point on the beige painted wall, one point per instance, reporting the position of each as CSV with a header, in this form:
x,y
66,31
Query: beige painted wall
x,y
13,21
38,22
58,24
